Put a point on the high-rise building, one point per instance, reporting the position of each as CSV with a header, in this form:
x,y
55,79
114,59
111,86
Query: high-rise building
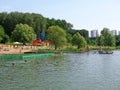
x,y
114,32
94,33
118,32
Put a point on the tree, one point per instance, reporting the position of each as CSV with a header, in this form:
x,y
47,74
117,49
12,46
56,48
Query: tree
x,y
69,38
61,23
23,33
3,36
84,33
117,38
56,35
79,40
105,31
100,40
92,41
109,39
2,33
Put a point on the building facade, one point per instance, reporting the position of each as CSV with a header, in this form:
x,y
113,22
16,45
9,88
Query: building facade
x,y
114,32
94,33
118,32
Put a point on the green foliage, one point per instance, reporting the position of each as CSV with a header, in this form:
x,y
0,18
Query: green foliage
x,y
69,38
105,31
92,41
23,33
56,35
61,23
84,33
109,39
100,40
10,20
2,33
39,23
3,36
117,38
79,40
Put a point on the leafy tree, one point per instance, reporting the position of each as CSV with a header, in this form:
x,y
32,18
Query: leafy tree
x,y
69,38
23,33
3,36
61,23
117,38
10,20
56,35
92,41
100,40
79,40
6,39
39,23
84,33
72,31
105,31
2,33
109,39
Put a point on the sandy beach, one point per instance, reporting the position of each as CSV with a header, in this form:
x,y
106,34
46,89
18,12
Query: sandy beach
x,y
7,49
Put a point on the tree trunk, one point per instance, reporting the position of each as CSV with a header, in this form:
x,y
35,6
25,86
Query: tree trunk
x,y
78,47
55,47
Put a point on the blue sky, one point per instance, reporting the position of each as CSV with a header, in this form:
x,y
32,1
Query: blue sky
x,y
83,14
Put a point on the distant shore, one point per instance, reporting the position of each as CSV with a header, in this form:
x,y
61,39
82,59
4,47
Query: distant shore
x,y
19,49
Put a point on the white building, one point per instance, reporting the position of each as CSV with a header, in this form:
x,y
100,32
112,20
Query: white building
x,y
114,32
94,33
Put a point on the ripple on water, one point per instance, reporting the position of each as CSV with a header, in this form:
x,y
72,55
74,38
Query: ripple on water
x,y
86,71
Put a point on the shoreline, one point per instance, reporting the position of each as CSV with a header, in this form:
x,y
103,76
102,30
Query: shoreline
x,y
18,49
7,49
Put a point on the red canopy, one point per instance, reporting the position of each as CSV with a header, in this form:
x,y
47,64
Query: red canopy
x,y
37,42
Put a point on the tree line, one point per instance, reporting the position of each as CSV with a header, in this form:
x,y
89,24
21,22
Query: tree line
x,y
24,27
39,23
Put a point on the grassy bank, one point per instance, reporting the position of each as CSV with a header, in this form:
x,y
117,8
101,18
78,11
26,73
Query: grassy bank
x,y
103,48
74,49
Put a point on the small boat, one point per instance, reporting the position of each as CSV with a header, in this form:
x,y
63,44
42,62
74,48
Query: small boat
x,y
105,52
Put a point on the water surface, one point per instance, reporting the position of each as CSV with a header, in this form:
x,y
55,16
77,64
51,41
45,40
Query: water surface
x,y
73,71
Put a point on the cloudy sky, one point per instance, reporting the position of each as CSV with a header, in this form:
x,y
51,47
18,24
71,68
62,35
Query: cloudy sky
x,y
83,14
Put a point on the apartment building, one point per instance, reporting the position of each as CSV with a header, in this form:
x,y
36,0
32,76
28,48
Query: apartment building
x,y
94,33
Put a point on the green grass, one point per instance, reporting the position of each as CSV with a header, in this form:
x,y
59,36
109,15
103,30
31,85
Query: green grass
x,y
74,49
66,49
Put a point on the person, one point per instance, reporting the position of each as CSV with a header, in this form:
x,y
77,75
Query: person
x,y
13,64
88,49
100,48
25,60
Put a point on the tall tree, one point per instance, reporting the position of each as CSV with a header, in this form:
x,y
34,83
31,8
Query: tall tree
x,y
79,40
84,33
69,38
61,23
23,33
109,39
2,33
117,38
9,21
56,35
100,40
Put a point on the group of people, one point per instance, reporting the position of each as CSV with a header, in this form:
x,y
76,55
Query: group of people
x,y
16,49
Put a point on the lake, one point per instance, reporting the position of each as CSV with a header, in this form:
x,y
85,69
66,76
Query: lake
x,y
70,71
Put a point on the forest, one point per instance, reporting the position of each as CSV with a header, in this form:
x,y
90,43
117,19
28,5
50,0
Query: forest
x,y
10,23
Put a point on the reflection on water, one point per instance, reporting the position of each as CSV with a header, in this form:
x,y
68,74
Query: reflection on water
x,y
73,71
